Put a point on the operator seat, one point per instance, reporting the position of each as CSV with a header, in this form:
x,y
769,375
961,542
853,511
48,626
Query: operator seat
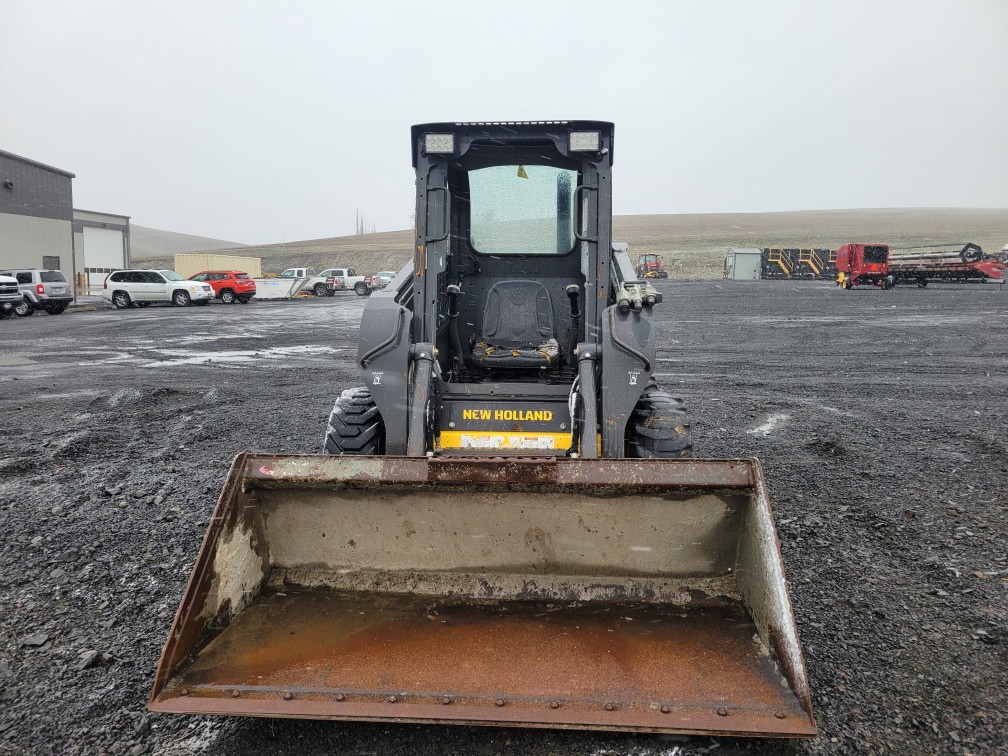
x,y
517,331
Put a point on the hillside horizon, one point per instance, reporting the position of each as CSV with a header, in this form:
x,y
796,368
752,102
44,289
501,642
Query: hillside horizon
x,y
692,244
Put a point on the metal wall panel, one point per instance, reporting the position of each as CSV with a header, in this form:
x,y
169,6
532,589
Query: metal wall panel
x,y
29,189
25,240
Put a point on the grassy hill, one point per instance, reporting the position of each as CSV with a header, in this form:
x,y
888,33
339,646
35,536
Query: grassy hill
x,y
152,242
693,245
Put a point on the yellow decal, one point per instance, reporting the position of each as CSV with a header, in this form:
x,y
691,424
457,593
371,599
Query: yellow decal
x,y
501,441
538,416
522,173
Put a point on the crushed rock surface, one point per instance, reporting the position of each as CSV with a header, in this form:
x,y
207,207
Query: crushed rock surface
x,y
880,419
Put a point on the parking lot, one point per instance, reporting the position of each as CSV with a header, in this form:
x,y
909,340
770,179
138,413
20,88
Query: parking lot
x,y
879,417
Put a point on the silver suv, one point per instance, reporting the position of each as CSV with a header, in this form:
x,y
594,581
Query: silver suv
x,y
10,296
41,290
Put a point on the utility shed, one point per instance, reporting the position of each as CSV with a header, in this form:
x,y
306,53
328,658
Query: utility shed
x,y
36,213
743,264
101,245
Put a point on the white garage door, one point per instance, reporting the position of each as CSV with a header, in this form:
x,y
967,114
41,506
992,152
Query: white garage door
x,y
103,248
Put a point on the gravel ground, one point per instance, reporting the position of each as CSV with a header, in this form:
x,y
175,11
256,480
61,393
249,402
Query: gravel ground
x,y
880,419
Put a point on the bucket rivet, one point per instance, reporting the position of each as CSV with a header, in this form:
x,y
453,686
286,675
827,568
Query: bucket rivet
x,y
287,696
184,692
235,694
498,702
722,712
780,714
610,706
554,704
446,700
392,699
340,697
665,709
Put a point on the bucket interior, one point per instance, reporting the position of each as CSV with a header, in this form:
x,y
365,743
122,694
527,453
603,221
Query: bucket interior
x,y
627,603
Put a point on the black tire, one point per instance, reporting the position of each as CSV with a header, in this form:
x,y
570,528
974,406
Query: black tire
x,y
360,288
24,309
181,298
120,300
244,300
56,309
659,426
355,425
922,283
227,296
321,290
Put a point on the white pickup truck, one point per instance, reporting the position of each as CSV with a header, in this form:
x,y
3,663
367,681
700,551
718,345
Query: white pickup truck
x,y
331,280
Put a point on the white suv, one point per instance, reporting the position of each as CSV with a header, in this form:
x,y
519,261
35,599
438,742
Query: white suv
x,y
126,288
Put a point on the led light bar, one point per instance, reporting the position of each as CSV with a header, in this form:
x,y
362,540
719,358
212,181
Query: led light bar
x,y
585,141
439,144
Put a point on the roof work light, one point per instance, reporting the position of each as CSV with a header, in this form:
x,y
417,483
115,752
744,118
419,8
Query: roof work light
x,y
584,141
439,144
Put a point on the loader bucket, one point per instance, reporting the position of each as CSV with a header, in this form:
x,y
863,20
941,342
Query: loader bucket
x,y
641,595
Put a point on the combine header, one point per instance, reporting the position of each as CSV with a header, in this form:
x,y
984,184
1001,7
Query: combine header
x,y
508,527
968,265
863,264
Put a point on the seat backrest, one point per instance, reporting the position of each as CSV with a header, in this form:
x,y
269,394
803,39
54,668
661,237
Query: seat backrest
x,y
517,313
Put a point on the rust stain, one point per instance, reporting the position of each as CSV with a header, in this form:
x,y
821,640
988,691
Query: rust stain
x,y
608,665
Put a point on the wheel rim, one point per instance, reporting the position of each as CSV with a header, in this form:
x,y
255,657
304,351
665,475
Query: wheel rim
x,y
21,308
181,299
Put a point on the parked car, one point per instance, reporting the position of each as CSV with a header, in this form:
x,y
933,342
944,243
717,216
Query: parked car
x,y
126,288
10,295
383,278
331,280
229,285
41,290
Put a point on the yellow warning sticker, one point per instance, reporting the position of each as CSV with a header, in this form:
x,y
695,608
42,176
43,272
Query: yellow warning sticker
x,y
506,440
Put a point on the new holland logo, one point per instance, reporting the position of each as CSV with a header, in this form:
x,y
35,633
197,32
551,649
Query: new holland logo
x,y
538,416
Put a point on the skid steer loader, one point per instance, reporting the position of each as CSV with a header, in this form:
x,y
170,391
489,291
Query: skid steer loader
x,y
508,526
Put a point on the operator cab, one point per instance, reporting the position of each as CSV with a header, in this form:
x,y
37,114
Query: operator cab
x,y
509,216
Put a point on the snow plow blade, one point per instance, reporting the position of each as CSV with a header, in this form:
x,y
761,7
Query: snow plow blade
x,y
640,595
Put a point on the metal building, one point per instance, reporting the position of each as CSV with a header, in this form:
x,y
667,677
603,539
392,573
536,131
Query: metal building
x,y
743,264
36,213
101,245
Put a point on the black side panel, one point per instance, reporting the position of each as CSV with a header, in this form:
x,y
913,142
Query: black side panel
x,y
383,358
628,361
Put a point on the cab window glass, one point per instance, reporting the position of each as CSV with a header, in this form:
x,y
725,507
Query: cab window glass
x,y
522,210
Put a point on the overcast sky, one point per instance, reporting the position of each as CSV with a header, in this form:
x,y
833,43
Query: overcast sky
x,y
263,121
